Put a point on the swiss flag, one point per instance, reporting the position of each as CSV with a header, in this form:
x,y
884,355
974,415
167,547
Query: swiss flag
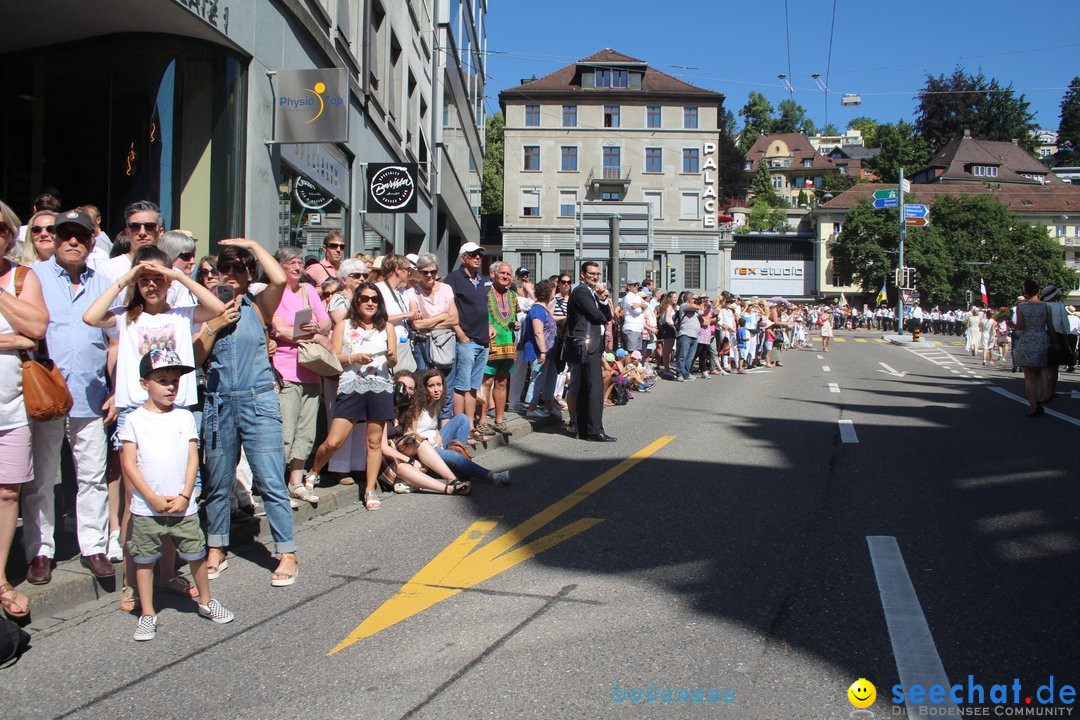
x,y
982,289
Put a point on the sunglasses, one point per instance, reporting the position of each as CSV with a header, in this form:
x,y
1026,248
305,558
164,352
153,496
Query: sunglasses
x,y
150,227
212,272
335,246
186,256
474,254
358,276
232,268
564,282
82,237
432,273
370,299
38,229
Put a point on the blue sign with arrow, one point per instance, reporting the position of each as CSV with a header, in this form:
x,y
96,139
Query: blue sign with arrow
x,y
916,211
885,202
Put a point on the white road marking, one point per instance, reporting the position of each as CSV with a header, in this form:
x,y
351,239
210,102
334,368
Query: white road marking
x,y
916,655
826,368
1023,401
833,387
820,357
847,431
891,371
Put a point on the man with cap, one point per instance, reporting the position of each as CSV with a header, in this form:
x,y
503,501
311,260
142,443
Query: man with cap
x,y
470,288
523,281
69,286
633,311
1059,352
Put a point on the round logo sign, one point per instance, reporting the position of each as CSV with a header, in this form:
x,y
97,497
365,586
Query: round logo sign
x,y
310,196
392,187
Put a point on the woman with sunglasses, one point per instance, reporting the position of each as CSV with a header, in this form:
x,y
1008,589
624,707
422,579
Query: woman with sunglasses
x,y
350,457
242,410
39,242
366,346
148,322
438,311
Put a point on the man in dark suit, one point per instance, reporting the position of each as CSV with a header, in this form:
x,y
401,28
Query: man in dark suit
x,y
587,316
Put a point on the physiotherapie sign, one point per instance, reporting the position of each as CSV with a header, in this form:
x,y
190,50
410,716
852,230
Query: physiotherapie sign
x,y
311,106
391,187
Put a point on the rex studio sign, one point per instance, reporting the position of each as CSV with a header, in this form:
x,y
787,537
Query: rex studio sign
x,y
391,187
311,106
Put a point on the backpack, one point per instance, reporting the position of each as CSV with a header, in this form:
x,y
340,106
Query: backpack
x,y
620,395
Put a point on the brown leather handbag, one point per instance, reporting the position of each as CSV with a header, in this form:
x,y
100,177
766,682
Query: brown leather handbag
x,y
45,393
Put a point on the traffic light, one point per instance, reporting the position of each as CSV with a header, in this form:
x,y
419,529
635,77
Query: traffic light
x,y
671,276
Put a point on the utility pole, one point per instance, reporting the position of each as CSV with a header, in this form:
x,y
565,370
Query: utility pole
x,y
613,274
903,232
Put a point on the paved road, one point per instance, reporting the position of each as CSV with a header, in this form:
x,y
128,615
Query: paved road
x,y
768,539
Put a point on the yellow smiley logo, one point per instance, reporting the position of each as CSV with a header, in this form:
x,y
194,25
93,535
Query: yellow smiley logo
x,y
862,693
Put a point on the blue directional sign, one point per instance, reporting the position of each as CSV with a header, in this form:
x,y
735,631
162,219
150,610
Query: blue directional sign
x,y
916,211
885,202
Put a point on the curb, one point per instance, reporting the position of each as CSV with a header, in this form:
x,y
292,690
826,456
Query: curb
x,y
72,584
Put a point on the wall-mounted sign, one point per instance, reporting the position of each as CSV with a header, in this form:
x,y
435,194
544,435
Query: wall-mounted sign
x,y
709,194
310,196
770,277
311,106
391,187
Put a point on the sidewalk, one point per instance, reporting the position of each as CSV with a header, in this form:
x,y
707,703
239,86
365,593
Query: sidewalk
x,y
73,585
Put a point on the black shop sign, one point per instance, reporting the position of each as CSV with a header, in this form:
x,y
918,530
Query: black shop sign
x,y
391,187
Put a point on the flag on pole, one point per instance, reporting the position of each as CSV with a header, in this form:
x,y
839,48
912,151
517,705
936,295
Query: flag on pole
x,y
882,296
982,290
843,300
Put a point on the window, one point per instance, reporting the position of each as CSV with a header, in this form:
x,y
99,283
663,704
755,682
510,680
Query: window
x,y
748,166
611,196
620,78
532,115
692,271
569,115
474,200
611,116
778,182
654,160
612,163
528,261
532,158
689,203
1060,231
689,117
984,170
808,162
656,199
691,160
607,77
567,203
652,116
530,202
603,77
566,264
569,158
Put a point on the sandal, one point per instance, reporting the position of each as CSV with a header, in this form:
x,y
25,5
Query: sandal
x,y
310,481
502,428
214,570
301,491
128,600
458,487
179,585
372,501
284,579
11,599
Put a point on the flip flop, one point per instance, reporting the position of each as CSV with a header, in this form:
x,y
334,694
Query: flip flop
x,y
10,598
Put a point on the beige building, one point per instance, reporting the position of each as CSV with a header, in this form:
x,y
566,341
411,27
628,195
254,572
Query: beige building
x,y
610,129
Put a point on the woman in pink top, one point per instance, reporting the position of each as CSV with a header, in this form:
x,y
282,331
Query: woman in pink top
x,y
435,299
300,388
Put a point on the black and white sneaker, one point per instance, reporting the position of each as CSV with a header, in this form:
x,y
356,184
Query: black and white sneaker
x,y
147,628
216,612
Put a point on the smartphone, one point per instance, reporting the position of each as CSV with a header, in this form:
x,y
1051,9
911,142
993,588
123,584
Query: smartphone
x,y
224,292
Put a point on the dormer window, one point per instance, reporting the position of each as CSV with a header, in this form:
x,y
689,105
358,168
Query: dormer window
x,y
808,162
984,170
611,77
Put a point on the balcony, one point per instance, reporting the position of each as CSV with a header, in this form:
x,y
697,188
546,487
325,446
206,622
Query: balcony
x,y
1069,241
606,176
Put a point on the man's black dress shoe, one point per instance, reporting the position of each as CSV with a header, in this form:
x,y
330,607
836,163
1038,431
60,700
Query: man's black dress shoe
x,y
600,437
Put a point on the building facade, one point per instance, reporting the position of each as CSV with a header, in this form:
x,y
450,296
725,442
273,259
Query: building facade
x,y
611,135
175,102
794,165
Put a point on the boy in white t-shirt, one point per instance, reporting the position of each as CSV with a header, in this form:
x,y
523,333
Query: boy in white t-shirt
x,y
160,458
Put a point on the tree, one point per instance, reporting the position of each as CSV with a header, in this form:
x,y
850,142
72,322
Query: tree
x,y
950,105
491,184
761,188
834,184
792,118
901,147
830,129
757,117
869,129
728,125
763,218
1069,127
731,178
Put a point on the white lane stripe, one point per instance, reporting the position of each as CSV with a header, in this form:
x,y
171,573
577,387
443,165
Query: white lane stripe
x,y
826,368
916,656
1023,401
847,431
833,387
820,357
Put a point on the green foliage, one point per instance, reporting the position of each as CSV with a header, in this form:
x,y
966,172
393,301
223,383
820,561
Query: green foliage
x,y
757,117
949,105
1069,127
834,184
792,118
727,123
761,188
963,231
830,129
803,201
900,147
491,187
731,179
869,129
763,218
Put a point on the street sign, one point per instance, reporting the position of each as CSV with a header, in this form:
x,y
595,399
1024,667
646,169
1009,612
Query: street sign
x,y
886,202
884,194
905,185
915,211
916,221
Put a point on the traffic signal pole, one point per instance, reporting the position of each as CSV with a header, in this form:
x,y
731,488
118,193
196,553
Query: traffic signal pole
x,y
903,232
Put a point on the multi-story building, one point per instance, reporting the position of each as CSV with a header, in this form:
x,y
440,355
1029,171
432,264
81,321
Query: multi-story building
x,y
611,129
795,165
176,103
966,159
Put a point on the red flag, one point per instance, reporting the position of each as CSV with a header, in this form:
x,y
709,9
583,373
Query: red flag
x,y
982,289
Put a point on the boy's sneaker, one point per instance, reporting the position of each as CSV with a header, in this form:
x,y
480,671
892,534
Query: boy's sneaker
x,y
501,478
213,610
147,628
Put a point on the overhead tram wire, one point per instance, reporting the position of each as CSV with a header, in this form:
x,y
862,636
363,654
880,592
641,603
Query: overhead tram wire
x,y
787,32
828,62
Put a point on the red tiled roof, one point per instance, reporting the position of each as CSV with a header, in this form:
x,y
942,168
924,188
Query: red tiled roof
x,y
611,56
1018,198
799,146
1010,160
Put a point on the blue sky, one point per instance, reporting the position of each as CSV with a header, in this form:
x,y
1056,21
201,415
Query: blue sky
x,y
880,50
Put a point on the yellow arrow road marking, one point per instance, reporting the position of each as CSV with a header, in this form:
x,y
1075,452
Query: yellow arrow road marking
x,y
460,566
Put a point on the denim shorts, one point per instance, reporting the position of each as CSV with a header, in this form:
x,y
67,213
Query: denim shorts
x,y
470,361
